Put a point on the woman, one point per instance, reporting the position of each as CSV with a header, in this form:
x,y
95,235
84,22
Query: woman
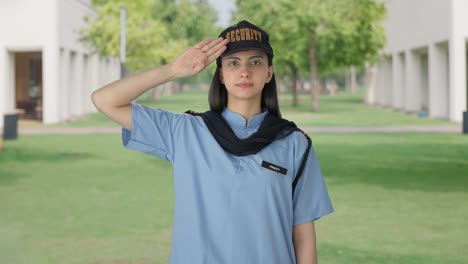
x,y
248,187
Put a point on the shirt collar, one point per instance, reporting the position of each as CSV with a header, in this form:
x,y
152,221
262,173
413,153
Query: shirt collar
x,y
238,121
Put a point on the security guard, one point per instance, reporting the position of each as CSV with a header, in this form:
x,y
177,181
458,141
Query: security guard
x,y
248,186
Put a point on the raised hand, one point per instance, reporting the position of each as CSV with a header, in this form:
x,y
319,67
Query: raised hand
x,y
198,57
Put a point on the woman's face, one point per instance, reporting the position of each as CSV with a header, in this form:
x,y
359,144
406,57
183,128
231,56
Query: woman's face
x,y
244,74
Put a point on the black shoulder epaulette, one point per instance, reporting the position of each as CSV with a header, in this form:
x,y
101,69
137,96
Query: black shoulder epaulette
x,y
192,112
304,160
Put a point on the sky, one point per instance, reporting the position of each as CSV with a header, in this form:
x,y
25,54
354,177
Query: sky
x,y
224,8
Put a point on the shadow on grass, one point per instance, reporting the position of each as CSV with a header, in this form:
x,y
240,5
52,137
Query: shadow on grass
x,y
9,176
423,167
338,254
20,156
332,106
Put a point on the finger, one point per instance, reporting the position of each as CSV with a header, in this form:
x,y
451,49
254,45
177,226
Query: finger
x,y
216,48
210,45
202,43
215,55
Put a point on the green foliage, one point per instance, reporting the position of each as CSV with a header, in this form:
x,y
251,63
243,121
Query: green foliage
x,y
188,22
285,39
148,40
344,32
353,37
157,31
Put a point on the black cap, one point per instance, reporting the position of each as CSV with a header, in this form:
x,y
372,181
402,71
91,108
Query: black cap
x,y
245,36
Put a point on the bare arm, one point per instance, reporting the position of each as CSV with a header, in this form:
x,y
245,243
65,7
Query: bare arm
x,y
115,98
304,243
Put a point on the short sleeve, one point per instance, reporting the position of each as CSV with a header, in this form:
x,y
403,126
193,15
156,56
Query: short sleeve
x,y
152,131
311,200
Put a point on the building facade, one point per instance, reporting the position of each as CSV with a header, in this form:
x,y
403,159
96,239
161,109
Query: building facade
x,y
46,73
423,68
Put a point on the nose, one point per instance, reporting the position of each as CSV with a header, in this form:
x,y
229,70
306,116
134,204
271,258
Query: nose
x,y
245,71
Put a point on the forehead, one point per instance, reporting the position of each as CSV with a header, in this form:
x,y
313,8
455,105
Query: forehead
x,y
246,54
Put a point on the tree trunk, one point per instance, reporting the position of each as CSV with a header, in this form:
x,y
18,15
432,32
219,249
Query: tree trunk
x,y
156,92
178,87
294,83
280,84
348,81
323,86
353,79
314,87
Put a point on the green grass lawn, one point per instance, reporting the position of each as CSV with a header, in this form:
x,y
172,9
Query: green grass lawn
x,y
343,110
399,198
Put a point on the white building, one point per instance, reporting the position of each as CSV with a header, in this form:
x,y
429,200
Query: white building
x,y
424,65
46,74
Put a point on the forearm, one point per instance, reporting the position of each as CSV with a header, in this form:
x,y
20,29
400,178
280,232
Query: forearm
x,y
305,243
124,91
114,99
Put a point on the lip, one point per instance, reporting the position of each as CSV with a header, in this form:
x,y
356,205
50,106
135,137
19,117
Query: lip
x,y
244,85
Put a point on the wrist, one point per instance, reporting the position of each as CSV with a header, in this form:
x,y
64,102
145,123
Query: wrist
x,y
172,71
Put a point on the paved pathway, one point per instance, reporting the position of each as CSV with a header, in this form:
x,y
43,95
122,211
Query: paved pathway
x,y
385,129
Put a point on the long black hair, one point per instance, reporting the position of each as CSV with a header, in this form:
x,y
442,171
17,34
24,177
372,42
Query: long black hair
x,y
217,96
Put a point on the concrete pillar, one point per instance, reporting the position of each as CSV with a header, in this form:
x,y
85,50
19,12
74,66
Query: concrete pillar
x,y
87,84
413,87
3,82
116,69
78,84
101,79
424,81
457,76
73,86
108,70
457,60
380,80
7,83
398,67
438,81
93,75
64,84
51,84
387,82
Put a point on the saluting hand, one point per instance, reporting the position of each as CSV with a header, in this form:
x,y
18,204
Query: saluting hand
x,y
198,57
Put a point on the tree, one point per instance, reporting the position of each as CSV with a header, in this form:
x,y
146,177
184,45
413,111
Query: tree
x,y
157,30
148,40
333,34
188,22
284,37
341,33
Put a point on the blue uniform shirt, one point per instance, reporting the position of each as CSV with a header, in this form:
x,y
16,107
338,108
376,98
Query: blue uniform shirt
x,y
230,209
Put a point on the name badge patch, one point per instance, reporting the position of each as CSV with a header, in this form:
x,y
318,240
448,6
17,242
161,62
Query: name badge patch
x,y
273,167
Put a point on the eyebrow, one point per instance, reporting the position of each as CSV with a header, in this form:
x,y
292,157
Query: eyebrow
x,y
252,57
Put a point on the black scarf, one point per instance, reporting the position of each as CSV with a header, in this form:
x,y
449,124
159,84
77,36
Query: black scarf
x,y
271,129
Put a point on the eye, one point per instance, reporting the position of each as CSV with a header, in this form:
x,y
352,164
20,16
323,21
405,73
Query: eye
x,y
233,63
256,62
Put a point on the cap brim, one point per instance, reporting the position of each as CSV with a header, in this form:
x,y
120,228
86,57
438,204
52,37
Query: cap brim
x,y
244,49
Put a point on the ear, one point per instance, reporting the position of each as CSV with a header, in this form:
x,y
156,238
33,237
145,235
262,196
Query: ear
x,y
221,77
271,70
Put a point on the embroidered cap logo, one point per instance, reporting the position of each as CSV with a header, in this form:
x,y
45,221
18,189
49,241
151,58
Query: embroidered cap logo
x,y
245,36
